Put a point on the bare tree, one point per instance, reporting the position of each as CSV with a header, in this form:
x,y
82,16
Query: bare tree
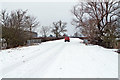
x,y
45,30
31,23
16,19
118,22
4,18
14,26
59,27
94,17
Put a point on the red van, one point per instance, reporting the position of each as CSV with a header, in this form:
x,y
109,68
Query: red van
x,y
67,39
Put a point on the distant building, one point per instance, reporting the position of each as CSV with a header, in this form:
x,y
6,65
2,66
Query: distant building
x,y
33,38
33,41
31,34
34,34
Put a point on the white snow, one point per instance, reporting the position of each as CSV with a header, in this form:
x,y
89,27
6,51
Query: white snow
x,y
59,59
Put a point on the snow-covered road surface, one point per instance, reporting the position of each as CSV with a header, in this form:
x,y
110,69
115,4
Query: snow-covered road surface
x,y
59,59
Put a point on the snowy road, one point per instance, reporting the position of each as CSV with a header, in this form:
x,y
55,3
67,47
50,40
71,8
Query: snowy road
x,y
59,59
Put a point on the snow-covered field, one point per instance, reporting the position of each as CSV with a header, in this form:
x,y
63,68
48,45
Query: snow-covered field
x,y
59,59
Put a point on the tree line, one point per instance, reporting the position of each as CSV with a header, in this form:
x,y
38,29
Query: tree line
x,y
58,29
99,21
17,26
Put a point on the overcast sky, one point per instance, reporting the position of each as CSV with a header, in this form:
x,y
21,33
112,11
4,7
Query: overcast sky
x,y
46,12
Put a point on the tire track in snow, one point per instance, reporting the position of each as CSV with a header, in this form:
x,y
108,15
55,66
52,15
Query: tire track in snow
x,y
48,61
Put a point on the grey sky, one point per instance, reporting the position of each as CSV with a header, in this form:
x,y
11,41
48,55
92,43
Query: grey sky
x,y
46,12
